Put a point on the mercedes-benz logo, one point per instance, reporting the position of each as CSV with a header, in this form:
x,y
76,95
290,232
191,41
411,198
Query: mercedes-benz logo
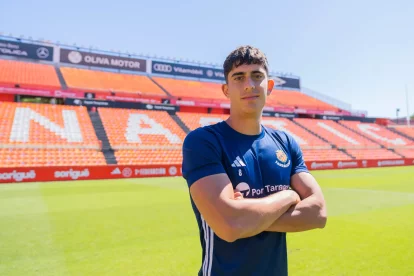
x,y
42,52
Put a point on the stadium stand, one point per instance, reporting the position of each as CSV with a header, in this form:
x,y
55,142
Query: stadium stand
x,y
305,139
380,134
28,75
213,91
47,135
192,89
336,134
298,100
108,81
313,147
143,137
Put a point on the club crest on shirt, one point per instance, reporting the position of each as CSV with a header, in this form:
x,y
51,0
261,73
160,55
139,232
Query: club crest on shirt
x,y
282,159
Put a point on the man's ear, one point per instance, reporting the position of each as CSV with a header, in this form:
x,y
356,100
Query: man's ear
x,y
225,89
270,85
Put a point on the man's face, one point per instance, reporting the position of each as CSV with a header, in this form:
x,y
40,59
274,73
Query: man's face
x,y
247,88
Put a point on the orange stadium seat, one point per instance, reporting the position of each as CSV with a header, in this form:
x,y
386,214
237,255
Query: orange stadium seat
x,y
148,157
409,131
407,153
143,137
46,135
373,154
323,155
107,81
192,89
28,75
379,134
297,99
27,157
336,134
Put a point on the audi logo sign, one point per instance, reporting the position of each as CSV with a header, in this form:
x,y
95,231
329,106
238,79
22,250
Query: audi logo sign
x,y
186,70
162,67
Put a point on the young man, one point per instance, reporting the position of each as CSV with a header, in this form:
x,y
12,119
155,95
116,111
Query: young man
x,y
248,183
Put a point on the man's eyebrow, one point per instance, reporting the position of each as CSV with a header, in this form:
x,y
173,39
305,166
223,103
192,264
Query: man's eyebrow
x,y
237,74
243,73
257,72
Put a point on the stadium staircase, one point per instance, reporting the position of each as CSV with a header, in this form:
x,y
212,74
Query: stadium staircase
x,y
400,133
180,123
61,78
162,88
397,153
101,134
347,153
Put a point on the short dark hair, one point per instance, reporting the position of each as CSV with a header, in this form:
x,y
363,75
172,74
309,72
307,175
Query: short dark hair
x,y
244,55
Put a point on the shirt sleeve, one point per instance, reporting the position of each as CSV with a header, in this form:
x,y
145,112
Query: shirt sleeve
x,y
298,163
201,156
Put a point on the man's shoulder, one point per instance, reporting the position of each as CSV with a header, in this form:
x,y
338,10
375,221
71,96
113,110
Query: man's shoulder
x,y
202,134
281,134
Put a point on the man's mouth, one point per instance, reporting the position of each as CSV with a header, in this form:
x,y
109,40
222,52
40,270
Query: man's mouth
x,y
250,97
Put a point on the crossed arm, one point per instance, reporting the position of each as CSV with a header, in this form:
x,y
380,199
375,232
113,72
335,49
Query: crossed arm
x,y
232,218
310,213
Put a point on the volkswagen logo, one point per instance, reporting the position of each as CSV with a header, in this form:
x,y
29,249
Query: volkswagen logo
x,y
42,52
162,67
210,73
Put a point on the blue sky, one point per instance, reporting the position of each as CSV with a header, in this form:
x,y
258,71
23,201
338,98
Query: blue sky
x,y
360,52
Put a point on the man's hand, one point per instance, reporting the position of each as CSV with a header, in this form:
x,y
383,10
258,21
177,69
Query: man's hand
x,y
310,213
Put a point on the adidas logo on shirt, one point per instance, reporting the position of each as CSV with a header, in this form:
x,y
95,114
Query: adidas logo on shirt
x,y
238,163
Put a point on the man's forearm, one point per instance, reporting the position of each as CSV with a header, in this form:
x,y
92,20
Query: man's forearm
x,y
308,214
254,216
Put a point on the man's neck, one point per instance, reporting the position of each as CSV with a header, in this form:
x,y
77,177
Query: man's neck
x,y
247,124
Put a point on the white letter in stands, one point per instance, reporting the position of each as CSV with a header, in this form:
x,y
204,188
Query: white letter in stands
x,y
21,125
135,129
337,133
367,129
206,121
280,125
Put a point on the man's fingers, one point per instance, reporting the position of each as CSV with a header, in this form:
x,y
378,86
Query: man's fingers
x,y
238,195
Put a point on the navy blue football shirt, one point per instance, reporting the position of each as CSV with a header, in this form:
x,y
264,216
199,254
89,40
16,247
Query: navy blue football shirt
x,y
257,165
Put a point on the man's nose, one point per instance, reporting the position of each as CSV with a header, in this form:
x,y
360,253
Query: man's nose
x,y
249,85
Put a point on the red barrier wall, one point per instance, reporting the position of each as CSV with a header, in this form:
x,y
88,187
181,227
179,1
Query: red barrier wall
x,y
350,164
32,174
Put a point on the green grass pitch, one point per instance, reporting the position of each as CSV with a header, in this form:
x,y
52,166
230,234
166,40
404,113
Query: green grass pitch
x,y
146,227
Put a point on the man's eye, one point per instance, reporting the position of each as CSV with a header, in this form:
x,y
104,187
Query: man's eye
x,y
258,76
238,78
